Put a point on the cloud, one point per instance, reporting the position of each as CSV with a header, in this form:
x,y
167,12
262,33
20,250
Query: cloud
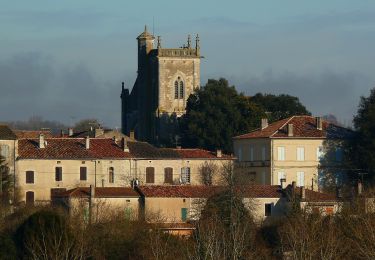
x,y
33,84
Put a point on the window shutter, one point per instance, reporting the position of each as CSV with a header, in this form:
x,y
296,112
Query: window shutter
x,y
184,214
281,153
29,198
251,153
150,175
263,153
168,175
29,177
58,174
111,173
300,179
83,173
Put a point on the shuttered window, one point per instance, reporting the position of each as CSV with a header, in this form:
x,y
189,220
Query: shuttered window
x,y
185,175
168,175
4,151
251,153
300,179
29,177
83,173
176,89
300,153
58,174
281,153
182,90
263,153
184,213
150,175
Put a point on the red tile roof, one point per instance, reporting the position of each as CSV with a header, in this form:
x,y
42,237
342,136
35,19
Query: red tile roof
x,y
179,191
70,148
303,127
199,153
27,134
100,192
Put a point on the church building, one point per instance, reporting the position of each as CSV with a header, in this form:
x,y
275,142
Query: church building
x,y
165,79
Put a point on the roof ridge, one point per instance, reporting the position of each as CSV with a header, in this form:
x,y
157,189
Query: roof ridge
x,y
286,122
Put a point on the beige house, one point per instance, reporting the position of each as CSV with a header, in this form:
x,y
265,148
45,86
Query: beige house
x,y
293,149
100,203
46,164
166,166
8,145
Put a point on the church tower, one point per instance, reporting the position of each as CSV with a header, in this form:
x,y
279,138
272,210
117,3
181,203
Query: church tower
x,y
166,78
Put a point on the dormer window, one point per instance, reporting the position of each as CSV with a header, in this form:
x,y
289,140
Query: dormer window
x,y
179,89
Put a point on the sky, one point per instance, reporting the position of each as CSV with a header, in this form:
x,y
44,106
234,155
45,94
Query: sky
x,y
65,60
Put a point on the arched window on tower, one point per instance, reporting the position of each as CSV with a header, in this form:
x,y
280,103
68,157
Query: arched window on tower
x,y
182,90
176,89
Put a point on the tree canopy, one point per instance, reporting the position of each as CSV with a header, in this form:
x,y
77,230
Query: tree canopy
x,y
279,106
215,113
364,143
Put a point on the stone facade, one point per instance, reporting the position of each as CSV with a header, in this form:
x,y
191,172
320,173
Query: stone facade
x,y
166,78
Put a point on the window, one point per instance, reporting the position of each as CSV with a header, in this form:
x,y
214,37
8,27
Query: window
x,y
184,212
182,90
29,177
300,179
4,151
83,173
300,153
111,175
240,154
58,174
281,153
263,153
168,175
179,89
176,89
150,175
29,198
267,209
251,153
319,153
185,175
280,175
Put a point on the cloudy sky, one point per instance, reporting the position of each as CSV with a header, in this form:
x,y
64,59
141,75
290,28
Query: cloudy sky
x,y
65,60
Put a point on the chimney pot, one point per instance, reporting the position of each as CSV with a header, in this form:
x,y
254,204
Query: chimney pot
x,y
41,141
132,135
264,123
70,132
125,145
87,142
290,130
61,133
282,182
319,123
219,153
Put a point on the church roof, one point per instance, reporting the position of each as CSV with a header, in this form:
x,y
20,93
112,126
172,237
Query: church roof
x,y
145,34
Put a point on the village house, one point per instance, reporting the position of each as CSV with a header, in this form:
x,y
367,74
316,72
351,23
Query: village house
x,y
294,149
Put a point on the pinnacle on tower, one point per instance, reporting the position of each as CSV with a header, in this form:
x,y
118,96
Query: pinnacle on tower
x,y
159,42
197,42
189,42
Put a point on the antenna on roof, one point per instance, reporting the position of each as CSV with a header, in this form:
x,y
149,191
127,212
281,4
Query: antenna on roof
x,y
153,25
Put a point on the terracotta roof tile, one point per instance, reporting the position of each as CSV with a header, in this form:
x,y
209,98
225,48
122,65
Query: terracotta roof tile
x,y
70,148
303,127
6,133
100,192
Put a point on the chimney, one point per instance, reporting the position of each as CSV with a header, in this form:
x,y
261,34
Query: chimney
x,y
319,123
303,193
359,188
41,141
87,143
70,130
264,123
132,135
218,153
61,133
125,145
290,129
282,183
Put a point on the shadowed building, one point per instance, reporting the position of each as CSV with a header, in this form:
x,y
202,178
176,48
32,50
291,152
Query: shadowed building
x,y
166,78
